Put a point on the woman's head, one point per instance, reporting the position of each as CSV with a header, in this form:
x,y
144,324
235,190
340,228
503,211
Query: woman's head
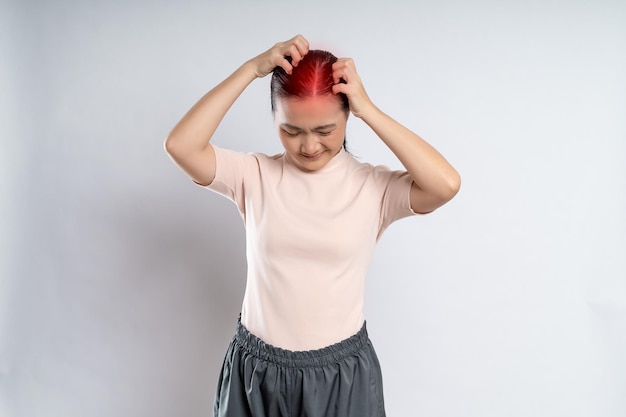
x,y
313,77
311,120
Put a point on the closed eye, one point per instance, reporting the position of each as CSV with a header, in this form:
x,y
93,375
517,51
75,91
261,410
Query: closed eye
x,y
290,134
325,133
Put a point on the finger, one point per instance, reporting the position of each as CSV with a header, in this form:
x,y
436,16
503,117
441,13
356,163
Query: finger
x,y
302,45
345,65
341,63
340,88
338,65
339,76
294,54
346,62
284,64
339,72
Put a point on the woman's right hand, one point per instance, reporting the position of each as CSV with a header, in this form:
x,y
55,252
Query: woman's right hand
x,y
295,48
188,143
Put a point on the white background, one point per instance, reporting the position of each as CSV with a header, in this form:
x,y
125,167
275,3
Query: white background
x,y
121,280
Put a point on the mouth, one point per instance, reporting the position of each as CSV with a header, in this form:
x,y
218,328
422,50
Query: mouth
x,y
312,157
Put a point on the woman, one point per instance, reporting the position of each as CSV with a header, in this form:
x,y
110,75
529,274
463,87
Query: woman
x,y
313,215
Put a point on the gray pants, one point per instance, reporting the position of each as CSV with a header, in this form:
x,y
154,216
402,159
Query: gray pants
x,y
260,380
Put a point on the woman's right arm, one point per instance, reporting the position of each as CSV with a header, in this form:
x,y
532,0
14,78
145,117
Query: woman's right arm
x,y
188,143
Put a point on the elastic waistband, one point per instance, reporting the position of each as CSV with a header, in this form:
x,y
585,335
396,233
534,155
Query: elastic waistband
x,y
304,358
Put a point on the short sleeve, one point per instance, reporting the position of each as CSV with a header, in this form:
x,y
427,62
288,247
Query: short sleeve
x,y
232,171
396,203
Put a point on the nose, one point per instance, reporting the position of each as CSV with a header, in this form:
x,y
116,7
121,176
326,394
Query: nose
x,y
308,145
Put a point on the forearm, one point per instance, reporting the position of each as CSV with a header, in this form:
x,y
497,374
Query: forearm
x,y
188,143
195,129
428,168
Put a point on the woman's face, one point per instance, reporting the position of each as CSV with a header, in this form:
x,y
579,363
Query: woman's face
x,y
312,130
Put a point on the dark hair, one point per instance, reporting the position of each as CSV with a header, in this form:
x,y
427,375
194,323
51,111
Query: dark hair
x,y
313,77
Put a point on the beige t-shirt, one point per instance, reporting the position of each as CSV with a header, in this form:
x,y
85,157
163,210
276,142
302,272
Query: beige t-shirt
x,y
310,237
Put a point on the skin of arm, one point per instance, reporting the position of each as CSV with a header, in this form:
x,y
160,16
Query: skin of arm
x,y
435,181
188,143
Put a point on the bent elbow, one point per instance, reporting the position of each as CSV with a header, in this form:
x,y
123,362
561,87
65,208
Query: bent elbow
x,y
455,184
452,186
168,145
175,148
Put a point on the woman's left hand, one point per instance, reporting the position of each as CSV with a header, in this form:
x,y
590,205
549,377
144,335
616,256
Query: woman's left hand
x,y
435,181
348,82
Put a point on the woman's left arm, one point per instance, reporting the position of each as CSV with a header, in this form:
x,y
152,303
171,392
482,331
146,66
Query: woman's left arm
x,y
435,181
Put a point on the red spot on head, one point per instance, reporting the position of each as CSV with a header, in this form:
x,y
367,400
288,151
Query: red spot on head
x,y
313,77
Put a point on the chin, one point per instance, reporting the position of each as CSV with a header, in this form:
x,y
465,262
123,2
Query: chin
x,y
314,165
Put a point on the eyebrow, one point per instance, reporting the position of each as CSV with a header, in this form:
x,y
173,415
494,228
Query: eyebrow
x,y
318,128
